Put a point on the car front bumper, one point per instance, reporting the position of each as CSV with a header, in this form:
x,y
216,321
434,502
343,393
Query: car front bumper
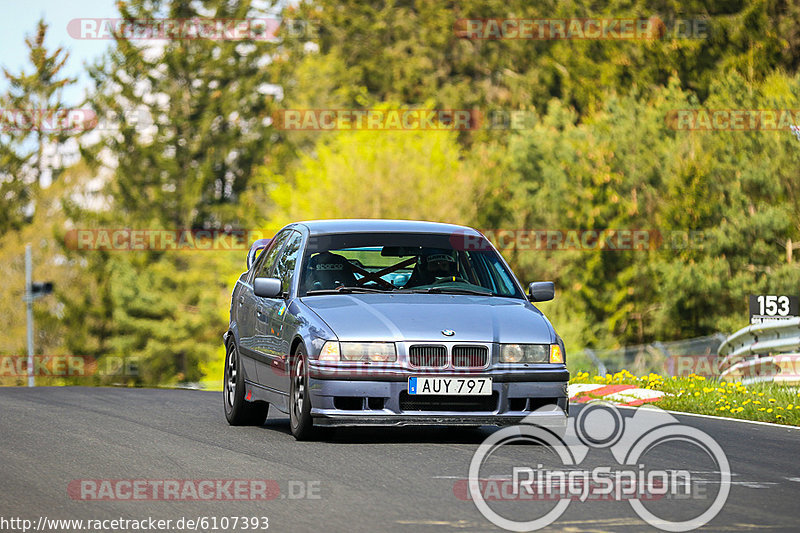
x,y
358,400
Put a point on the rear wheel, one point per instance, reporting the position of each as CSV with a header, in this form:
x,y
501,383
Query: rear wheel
x,y
299,400
238,411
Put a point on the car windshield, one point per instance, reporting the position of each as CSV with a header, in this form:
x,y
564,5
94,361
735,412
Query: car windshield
x,y
387,262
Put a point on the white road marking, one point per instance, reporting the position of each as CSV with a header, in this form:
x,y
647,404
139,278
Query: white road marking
x,y
713,417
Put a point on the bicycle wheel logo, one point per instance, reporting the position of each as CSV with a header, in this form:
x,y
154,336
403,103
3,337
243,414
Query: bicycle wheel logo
x,y
600,428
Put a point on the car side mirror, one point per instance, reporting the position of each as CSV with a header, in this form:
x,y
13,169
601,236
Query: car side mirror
x,y
541,291
267,287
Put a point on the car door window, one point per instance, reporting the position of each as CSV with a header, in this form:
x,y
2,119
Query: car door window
x,y
256,265
270,255
284,268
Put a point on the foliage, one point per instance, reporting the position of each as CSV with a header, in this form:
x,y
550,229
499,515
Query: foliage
x,y
358,174
190,169
687,189
721,208
763,402
33,103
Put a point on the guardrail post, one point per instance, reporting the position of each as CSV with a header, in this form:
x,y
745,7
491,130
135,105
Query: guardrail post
x,y
601,368
29,310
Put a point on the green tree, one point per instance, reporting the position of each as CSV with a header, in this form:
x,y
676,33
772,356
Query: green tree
x,y
411,51
389,174
34,120
209,104
193,168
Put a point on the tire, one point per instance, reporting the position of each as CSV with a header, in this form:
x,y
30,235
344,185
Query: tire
x,y
300,420
238,411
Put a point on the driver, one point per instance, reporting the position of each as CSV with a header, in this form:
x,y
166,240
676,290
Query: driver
x,y
432,266
440,265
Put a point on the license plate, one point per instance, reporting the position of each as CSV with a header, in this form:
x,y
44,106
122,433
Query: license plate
x,y
450,386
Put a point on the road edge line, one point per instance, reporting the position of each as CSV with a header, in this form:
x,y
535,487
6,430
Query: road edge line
x,y
700,415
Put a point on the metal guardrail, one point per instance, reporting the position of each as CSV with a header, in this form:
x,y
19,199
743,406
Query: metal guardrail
x,y
769,351
688,356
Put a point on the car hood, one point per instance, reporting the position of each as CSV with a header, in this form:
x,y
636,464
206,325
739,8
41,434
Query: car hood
x,y
422,317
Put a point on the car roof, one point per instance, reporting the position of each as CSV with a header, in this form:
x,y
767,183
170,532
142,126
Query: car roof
x,y
321,227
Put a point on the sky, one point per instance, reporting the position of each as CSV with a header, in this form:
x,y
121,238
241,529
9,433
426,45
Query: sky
x,y
18,19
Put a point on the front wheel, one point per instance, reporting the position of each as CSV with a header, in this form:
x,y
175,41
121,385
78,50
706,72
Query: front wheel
x,y
299,400
238,411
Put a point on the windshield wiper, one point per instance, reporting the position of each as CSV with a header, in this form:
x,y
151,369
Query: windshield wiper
x,y
450,290
342,289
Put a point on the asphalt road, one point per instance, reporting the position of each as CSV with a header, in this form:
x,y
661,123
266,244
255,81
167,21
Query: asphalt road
x,y
358,480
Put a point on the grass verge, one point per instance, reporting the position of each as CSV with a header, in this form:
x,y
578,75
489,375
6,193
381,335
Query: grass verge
x,y
764,402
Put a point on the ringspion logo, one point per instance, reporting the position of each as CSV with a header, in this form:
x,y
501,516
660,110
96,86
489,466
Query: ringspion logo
x,y
568,479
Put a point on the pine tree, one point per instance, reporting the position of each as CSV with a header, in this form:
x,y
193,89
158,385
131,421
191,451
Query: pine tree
x,y
191,117
209,110
34,119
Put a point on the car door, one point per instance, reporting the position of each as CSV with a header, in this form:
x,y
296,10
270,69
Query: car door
x,y
269,324
242,306
278,337
248,311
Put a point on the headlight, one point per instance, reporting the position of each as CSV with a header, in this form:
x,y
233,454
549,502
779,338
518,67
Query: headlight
x,y
383,352
524,353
